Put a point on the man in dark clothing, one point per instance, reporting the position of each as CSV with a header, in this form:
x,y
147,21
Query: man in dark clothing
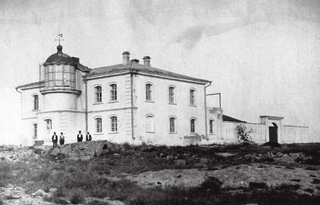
x,y
55,140
61,139
79,137
88,137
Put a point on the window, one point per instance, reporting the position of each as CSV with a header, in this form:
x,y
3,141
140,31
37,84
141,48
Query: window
x,y
150,123
172,124
192,97
114,124
113,92
193,125
35,130
148,92
98,94
48,126
98,125
171,95
211,126
36,102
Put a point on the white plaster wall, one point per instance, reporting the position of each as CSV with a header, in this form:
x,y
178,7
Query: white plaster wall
x,y
60,101
295,134
119,137
162,110
106,103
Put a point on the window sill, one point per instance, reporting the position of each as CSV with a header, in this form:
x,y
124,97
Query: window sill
x,y
150,132
172,103
149,101
35,110
113,101
173,133
192,105
212,134
113,132
97,103
98,133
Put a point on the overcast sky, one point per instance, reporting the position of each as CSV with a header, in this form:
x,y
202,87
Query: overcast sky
x,y
262,55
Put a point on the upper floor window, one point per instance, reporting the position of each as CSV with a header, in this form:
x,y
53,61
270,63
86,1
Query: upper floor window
x,y
172,124
98,94
98,124
36,102
193,125
149,92
114,124
192,97
171,95
150,123
211,126
113,92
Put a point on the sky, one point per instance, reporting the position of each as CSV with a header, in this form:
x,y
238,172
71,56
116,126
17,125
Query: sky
x,y
261,55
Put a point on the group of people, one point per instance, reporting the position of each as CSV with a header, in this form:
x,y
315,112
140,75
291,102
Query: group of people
x,y
62,138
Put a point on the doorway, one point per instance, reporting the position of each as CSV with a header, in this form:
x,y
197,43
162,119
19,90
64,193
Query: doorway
x,y
273,133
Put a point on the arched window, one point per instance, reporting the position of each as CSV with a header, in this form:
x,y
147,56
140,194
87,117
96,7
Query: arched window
x,y
35,102
192,97
113,92
193,125
171,94
172,125
98,124
148,92
150,123
211,126
114,124
98,93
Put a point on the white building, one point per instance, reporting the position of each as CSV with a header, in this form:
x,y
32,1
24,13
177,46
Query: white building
x,y
127,102
134,103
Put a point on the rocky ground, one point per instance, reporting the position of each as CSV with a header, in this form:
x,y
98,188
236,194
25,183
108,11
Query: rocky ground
x,y
233,168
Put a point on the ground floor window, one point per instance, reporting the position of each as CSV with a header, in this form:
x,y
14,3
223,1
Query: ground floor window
x,y
98,125
193,125
48,125
211,126
35,130
150,123
114,124
172,124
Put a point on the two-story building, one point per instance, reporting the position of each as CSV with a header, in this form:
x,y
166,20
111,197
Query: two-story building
x,y
128,102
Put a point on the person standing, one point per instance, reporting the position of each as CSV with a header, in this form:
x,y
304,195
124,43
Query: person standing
x,y
55,140
88,137
79,137
61,139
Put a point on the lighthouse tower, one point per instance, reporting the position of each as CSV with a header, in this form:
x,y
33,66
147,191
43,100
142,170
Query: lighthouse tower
x,y
63,94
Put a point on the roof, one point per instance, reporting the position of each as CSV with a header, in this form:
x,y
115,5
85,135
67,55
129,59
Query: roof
x,y
31,85
59,57
141,69
230,119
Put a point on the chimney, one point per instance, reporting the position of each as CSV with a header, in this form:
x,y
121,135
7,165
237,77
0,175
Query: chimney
x,y
126,57
134,61
146,61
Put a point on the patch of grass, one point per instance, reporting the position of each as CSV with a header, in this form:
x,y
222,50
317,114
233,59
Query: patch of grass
x,y
77,196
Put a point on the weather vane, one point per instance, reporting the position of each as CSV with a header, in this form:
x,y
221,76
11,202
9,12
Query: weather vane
x,y
60,37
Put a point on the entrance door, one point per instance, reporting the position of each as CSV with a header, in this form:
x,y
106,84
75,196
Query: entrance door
x,y
273,133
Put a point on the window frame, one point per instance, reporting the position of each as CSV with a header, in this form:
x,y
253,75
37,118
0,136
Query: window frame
x,y
150,127
97,94
172,95
35,101
113,92
173,125
192,97
193,125
35,130
113,124
48,125
149,92
98,125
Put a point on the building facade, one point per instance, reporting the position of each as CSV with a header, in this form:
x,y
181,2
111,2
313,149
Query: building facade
x,y
132,102
128,102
